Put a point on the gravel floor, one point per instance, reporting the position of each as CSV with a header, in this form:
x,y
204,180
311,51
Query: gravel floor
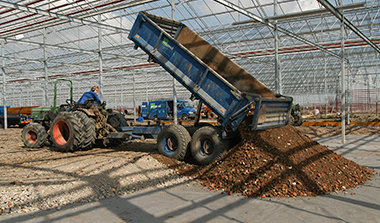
x,y
40,179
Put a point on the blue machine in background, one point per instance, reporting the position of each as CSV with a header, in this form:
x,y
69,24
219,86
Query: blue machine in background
x,y
164,109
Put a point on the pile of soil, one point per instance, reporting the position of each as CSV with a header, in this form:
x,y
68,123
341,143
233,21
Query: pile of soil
x,y
280,162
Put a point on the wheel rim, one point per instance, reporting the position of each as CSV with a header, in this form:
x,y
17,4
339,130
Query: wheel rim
x,y
170,144
31,136
61,132
205,146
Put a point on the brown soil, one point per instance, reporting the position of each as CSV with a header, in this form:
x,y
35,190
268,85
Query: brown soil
x,y
277,162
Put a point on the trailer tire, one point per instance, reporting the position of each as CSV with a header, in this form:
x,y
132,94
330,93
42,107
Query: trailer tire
x,y
66,132
33,135
88,129
173,141
207,145
1,124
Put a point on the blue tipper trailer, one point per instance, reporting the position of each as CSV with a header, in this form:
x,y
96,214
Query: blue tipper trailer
x,y
214,80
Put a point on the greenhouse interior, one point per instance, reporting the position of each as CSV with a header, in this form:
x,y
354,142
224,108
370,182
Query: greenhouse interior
x,y
318,52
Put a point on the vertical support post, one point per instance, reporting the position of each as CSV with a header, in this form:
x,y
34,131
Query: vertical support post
x,y
325,63
324,58
4,88
348,93
174,81
377,85
46,98
343,92
277,60
134,97
100,59
146,88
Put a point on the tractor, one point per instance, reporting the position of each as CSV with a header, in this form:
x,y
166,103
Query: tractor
x,y
296,118
74,127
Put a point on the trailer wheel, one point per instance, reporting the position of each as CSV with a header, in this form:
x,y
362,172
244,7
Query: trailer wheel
x,y
173,141
66,132
88,129
33,135
1,124
207,145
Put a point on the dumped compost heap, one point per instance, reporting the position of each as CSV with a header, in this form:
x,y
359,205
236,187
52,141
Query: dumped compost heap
x,y
280,162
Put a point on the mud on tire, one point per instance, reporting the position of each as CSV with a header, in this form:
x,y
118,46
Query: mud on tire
x,y
66,132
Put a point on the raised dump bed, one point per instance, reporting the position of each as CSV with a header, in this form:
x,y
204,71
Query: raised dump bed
x,y
218,82
209,75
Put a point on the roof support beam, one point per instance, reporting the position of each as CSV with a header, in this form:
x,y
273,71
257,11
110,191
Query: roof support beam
x,y
271,25
346,22
60,16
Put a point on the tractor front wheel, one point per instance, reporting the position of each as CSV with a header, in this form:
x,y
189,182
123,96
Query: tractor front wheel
x,y
33,135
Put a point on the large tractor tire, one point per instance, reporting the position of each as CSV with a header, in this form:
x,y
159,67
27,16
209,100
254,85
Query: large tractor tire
x,y
207,145
297,119
300,120
33,135
66,132
173,141
117,120
88,129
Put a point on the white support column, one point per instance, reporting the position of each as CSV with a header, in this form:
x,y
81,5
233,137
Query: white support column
x,y
343,92
174,81
100,60
377,85
146,88
348,93
134,97
4,83
276,59
46,98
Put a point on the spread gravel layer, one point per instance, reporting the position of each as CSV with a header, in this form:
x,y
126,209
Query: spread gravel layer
x,y
40,179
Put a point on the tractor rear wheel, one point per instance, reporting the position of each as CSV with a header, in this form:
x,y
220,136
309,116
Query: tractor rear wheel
x,y
298,119
33,135
66,132
207,145
173,141
88,129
